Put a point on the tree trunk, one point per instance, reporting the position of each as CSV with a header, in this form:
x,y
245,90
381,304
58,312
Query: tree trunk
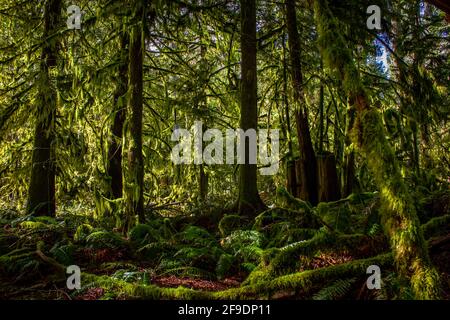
x,y
203,178
350,181
41,192
307,164
203,183
249,202
328,182
398,214
135,182
115,141
291,177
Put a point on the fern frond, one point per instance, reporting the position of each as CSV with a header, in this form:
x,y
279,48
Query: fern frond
x,y
337,290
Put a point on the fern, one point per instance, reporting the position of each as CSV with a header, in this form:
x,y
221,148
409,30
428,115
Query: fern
x,y
248,266
374,230
242,238
63,254
224,265
196,236
337,290
82,232
154,250
131,276
191,272
20,264
250,253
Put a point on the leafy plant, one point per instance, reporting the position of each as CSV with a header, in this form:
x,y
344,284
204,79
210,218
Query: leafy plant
x,y
336,290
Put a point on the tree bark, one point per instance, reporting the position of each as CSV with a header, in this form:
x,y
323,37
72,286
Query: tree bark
x,y
249,202
291,177
350,181
135,183
115,140
41,192
307,164
328,182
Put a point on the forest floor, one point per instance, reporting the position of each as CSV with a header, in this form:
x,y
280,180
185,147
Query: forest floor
x,y
290,252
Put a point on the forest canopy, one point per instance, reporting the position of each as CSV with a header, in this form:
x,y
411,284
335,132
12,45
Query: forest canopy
x,y
199,149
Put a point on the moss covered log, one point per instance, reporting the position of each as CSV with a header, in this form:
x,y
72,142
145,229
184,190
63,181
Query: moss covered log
x,y
302,283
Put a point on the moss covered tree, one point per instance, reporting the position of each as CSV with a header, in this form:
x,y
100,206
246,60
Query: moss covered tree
x,y
398,214
134,188
41,190
119,107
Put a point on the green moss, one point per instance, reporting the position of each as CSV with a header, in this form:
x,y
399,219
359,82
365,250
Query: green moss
x,y
46,220
151,292
290,201
397,212
425,283
104,239
436,226
304,282
82,232
34,225
20,262
229,223
337,217
142,233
